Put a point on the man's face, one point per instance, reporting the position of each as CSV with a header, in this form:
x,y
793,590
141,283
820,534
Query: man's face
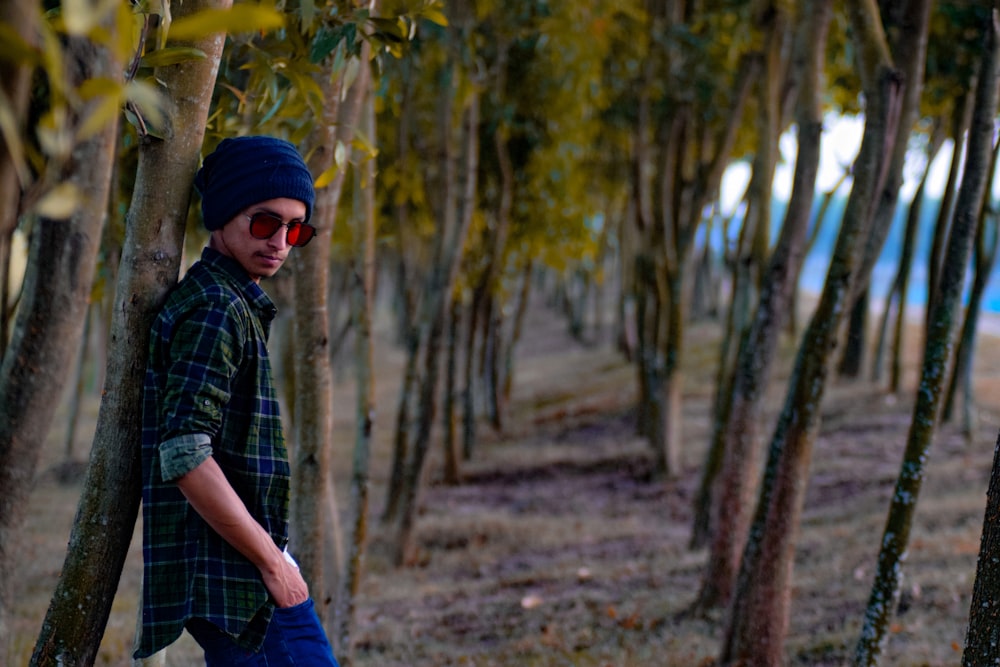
x,y
259,257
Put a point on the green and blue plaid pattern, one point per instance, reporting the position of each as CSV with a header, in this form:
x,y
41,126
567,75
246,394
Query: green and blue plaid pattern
x,y
208,384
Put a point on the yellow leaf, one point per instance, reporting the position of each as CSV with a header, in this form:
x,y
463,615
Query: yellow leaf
x,y
99,86
14,49
103,113
326,177
435,16
81,16
241,18
172,55
59,203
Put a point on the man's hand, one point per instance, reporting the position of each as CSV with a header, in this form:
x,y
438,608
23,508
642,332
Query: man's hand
x,y
285,584
213,497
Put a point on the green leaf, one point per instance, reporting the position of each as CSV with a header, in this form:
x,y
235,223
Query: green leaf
x,y
172,55
241,18
327,40
388,29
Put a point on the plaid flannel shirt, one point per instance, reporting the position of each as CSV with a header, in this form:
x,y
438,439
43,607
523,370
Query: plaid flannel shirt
x,y
208,392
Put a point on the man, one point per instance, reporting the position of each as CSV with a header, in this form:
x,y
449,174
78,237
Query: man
x,y
215,466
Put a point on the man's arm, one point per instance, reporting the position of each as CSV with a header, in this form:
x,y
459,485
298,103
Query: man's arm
x,y
214,498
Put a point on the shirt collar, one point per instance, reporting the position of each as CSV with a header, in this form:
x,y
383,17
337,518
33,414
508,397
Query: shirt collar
x,y
241,279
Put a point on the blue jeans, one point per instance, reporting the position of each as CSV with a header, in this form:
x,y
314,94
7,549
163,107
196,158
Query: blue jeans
x,y
295,638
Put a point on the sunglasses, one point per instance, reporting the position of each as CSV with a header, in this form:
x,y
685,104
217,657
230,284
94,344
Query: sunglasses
x,y
264,225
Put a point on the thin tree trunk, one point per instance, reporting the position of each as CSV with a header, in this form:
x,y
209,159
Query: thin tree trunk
x,y
515,334
937,354
317,540
362,298
105,519
740,423
77,399
985,252
469,380
452,457
759,616
459,206
959,127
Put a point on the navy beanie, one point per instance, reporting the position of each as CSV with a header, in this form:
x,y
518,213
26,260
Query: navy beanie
x,y
244,171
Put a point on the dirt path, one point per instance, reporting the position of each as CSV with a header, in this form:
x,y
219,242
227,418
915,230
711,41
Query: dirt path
x,y
560,548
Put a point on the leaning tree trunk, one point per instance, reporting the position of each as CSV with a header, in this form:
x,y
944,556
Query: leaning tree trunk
x,y
759,616
755,361
60,271
937,354
362,307
315,519
106,514
984,256
982,642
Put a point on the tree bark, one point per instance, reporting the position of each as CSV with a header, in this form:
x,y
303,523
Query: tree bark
x,y
50,317
982,642
759,616
937,355
362,307
739,424
459,203
106,514
317,539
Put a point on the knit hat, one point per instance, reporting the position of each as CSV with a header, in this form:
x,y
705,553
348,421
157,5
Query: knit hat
x,y
244,171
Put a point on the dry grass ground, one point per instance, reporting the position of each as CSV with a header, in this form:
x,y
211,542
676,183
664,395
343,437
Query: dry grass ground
x,y
561,548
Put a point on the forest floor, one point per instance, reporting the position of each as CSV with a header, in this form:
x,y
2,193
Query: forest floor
x,y
562,548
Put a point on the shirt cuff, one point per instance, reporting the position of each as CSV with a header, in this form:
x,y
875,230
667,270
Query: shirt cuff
x,y
182,454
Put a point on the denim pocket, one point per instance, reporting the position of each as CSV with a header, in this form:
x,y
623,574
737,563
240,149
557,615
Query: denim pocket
x,y
303,634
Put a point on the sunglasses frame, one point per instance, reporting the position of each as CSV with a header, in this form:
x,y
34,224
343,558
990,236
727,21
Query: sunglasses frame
x,y
305,227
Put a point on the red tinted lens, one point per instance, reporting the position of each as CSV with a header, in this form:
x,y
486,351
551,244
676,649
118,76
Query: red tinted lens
x,y
300,233
263,225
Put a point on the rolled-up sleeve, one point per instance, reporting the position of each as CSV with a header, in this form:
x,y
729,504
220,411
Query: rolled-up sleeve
x,y
182,454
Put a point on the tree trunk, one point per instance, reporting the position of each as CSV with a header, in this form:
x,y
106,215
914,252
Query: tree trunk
x,y
317,540
852,359
898,292
460,188
758,619
740,423
452,456
937,354
105,519
77,398
959,128
985,253
982,642
363,308
50,317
